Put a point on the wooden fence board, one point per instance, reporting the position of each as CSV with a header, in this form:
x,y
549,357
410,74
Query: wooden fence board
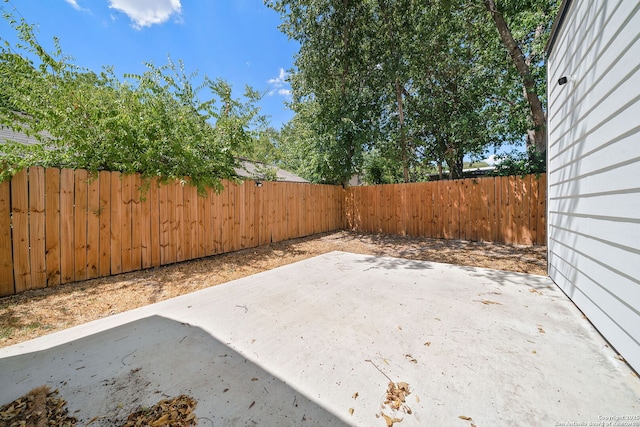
x,y
484,207
146,230
187,238
173,227
241,215
250,215
225,216
93,227
116,223
193,221
80,225
6,260
462,209
203,229
218,221
52,225
179,225
20,220
207,235
126,224
37,227
136,223
104,216
541,232
164,224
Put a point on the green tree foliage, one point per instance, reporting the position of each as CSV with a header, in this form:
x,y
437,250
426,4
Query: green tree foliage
x,y
154,123
520,163
419,84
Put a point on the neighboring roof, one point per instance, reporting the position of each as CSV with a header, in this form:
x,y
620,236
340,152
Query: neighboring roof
x,y
249,169
557,24
8,134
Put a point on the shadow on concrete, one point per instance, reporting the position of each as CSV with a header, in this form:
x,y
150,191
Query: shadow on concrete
x,y
108,375
390,263
510,278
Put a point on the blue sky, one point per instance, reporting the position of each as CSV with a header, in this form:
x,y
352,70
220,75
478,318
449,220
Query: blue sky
x,y
237,40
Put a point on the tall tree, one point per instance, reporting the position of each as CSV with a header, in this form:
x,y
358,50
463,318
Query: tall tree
x,y
332,68
524,40
414,82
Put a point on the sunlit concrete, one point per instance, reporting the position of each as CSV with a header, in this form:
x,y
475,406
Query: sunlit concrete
x,y
317,342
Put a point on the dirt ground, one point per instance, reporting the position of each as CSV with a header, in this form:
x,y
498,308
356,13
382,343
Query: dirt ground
x,y
40,312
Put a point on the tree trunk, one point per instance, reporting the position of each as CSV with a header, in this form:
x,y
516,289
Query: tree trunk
x,y
403,132
537,136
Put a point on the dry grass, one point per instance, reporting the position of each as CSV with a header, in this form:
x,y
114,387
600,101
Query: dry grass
x,y
39,312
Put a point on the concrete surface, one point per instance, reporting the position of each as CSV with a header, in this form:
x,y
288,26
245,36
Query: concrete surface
x,y
293,345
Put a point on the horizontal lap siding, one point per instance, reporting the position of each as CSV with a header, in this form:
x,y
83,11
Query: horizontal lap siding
x,y
594,167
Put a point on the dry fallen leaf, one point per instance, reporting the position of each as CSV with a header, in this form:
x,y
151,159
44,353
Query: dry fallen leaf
x,y
428,343
540,330
390,421
488,302
40,406
176,412
355,395
464,417
351,410
410,358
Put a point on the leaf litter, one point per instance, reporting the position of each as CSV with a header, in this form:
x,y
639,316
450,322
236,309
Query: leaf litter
x,y
42,407
394,399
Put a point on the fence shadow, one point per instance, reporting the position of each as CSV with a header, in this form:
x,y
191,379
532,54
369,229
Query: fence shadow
x,y
111,374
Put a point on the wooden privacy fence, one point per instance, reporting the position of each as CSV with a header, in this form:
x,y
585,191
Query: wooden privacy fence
x,y
60,226
495,209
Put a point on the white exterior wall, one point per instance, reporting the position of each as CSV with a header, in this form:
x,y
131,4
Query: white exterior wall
x,y
594,166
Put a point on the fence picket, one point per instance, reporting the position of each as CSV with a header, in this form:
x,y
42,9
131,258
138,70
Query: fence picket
x,y
93,227
6,260
116,221
37,227
104,216
52,226
20,220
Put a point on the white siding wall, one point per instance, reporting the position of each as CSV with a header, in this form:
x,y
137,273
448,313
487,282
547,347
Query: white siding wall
x,y
594,167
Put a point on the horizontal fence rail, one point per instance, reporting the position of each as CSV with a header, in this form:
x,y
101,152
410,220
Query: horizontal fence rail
x,y
61,226
494,209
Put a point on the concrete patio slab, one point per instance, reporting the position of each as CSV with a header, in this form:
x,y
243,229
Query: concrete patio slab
x,y
317,342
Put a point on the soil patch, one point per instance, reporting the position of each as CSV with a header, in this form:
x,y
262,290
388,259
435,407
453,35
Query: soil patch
x,y
39,312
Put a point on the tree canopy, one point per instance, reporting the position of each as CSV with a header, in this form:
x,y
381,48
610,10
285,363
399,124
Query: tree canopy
x,y
411,85
157,123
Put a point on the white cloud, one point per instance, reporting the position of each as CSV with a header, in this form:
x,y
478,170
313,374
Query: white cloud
x,y
145,13
277,84
491,160
74,4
